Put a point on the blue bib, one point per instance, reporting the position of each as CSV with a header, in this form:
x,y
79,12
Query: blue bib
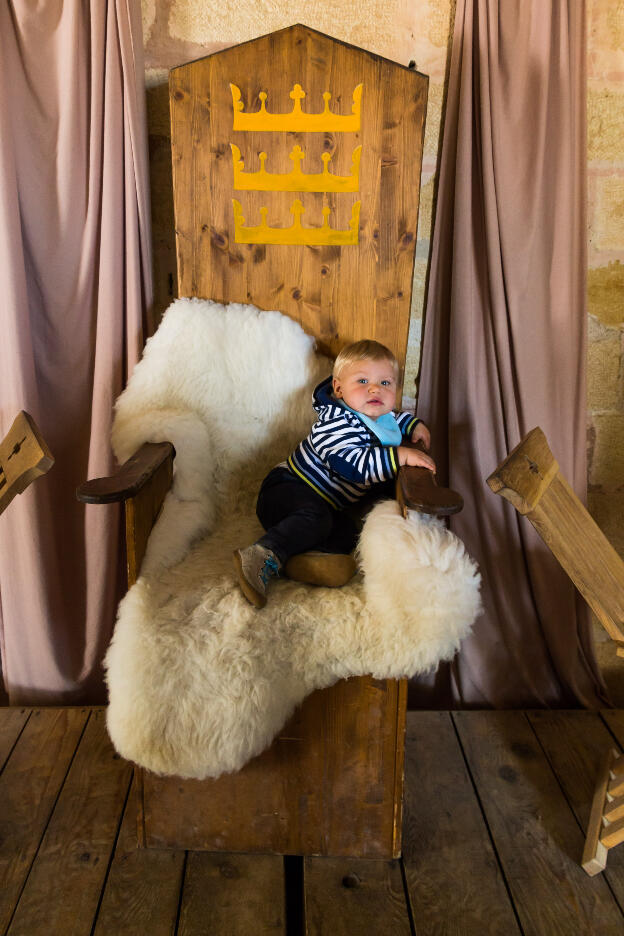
x,y
385,427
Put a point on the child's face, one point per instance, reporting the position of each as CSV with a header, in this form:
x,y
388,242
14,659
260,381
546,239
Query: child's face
x,y
370,387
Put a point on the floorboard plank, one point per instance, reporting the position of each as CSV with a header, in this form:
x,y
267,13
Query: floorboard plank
x,y
614,720
446,845
343,896
12,721
233,894
535,833
575,744
142,891
29,786
63,889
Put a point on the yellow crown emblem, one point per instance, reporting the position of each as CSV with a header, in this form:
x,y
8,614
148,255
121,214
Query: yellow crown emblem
x,y
295,180
296,233
297,120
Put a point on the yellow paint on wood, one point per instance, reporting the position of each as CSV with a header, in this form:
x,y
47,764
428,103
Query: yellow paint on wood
x,y
295,180
296,233
297,120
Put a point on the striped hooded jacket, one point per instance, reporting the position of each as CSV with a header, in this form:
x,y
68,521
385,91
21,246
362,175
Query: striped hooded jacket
x,y
341,458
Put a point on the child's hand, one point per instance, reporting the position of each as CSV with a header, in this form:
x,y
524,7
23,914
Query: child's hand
x,y
420,433
415,458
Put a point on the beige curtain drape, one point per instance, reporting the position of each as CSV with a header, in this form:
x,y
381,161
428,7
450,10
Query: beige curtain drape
x,y
505,337
75,267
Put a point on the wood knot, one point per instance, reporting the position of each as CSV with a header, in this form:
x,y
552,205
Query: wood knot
x,y
533,467
351,880
508,774
219,240
296,293
17,448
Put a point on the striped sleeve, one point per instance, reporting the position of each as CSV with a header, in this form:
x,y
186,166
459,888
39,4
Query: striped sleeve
x,y
347,451
406,423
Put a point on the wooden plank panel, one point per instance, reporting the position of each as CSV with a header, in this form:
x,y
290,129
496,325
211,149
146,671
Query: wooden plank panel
x,y
446,845
346,896
233,894
143,887
12,721
535,833
370,283
328,785
575,744
29,786
63,889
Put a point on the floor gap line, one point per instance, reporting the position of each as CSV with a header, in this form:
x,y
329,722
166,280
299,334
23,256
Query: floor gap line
x,y
45,828
111,857
487,826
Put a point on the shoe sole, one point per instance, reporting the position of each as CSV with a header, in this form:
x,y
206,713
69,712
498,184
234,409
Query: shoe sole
x,y
331,570
253,596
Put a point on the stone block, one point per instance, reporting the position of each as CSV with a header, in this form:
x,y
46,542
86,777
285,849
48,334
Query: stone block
x,y
425,226
605,293
607,464
373,27
435,98
605,37
604,378
148,14
607,222
605,119
608,512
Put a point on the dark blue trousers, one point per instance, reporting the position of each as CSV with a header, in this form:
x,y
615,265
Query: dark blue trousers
x,y
297,519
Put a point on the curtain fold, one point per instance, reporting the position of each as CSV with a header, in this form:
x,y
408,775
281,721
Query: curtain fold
x,y
505,338
75,261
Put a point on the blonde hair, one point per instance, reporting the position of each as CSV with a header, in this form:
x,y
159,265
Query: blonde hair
x,y
367,350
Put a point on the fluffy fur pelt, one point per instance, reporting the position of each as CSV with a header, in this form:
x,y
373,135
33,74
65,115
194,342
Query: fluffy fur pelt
x,y
199,680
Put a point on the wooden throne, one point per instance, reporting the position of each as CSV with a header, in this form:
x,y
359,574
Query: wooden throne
x,y
296,166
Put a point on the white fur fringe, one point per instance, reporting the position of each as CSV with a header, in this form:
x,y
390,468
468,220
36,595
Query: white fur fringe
x,y
199,680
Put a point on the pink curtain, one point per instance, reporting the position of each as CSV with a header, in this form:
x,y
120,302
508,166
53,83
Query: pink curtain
x,y
505,337
75,266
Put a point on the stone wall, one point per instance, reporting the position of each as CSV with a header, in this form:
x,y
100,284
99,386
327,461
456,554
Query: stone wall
x,y
605,275
178,31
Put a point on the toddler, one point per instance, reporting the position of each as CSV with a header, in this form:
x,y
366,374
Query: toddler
x,y
353,448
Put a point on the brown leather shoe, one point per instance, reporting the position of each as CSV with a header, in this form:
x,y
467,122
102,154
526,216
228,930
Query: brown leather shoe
x,y
320,568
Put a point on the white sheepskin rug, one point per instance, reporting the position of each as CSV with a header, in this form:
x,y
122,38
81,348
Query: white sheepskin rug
x,y
199,680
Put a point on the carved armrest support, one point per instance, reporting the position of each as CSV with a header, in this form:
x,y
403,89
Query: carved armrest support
x,y
130,478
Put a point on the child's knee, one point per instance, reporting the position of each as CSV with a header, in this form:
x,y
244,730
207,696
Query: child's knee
x,y
320,517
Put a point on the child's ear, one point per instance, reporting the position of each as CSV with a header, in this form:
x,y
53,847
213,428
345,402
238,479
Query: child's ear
x,y
336,387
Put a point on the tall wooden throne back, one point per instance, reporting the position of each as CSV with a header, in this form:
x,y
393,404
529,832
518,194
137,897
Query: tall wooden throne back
x,y
296,163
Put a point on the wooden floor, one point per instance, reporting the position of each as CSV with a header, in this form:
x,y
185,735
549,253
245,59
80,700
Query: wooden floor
x,y
495,812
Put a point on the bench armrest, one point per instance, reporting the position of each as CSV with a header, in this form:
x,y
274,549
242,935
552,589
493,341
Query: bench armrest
x,y
130,478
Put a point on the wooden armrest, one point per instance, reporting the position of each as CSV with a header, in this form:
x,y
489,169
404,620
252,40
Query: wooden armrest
x,y
417,489
24,456
130,478
526,474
